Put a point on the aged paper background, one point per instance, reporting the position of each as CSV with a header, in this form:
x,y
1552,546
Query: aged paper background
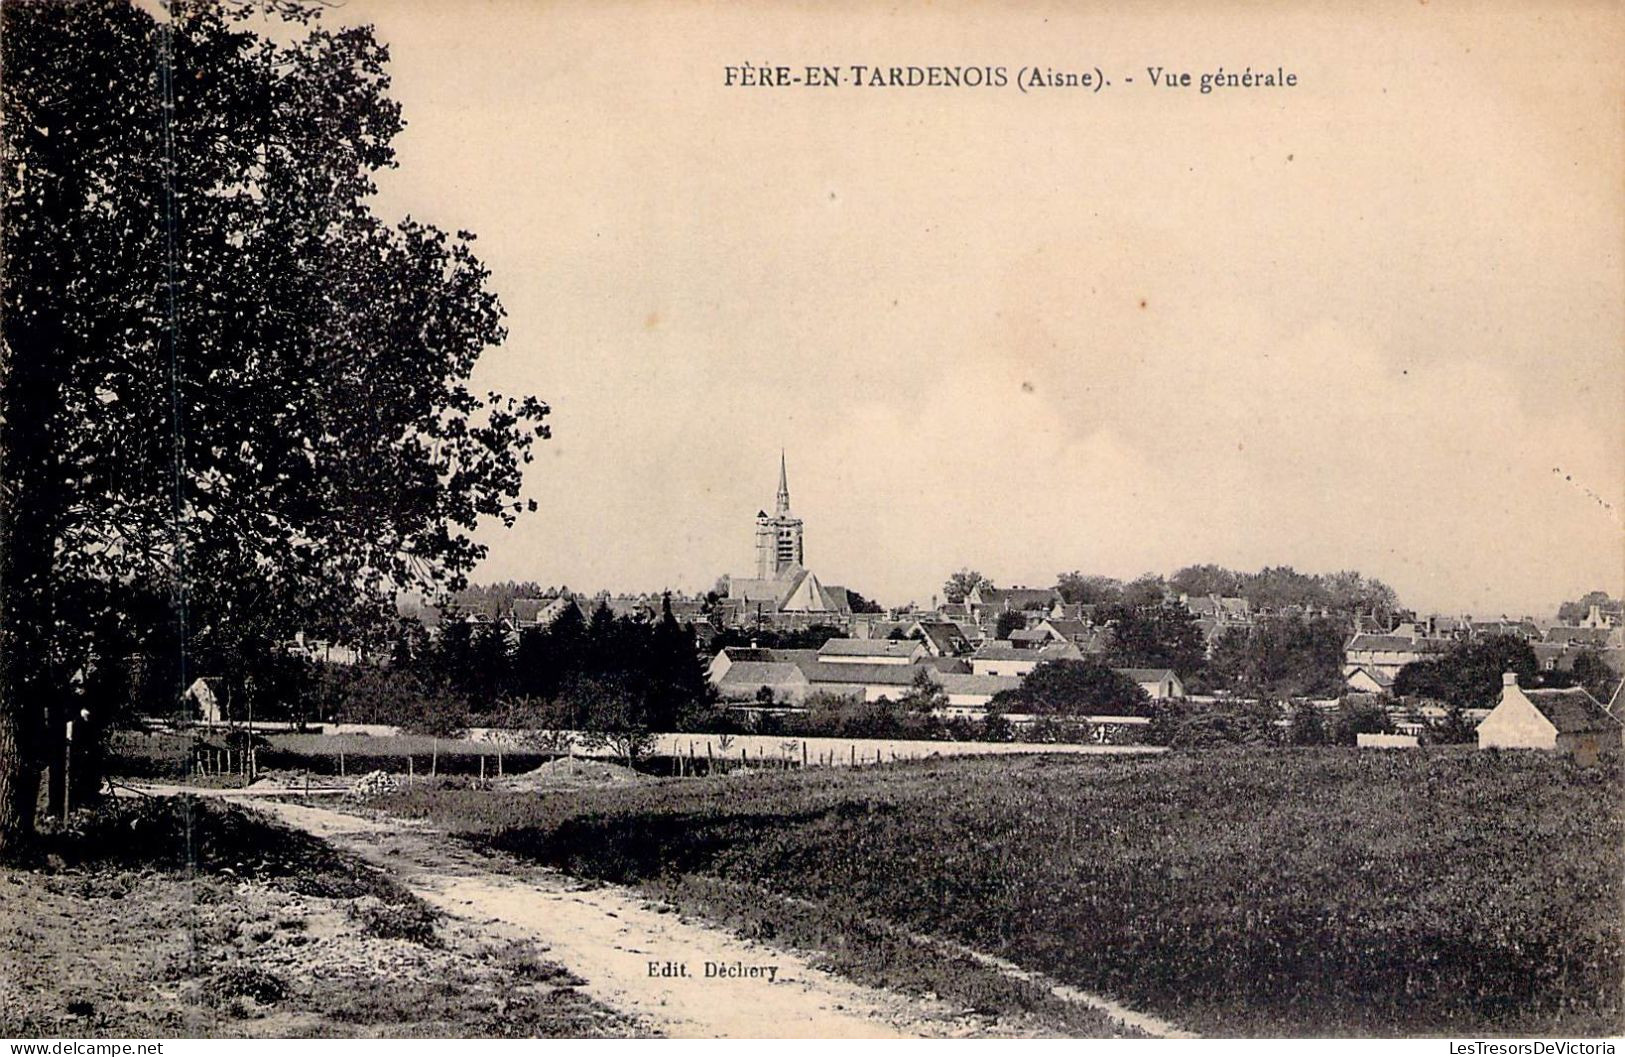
x,y
1373,321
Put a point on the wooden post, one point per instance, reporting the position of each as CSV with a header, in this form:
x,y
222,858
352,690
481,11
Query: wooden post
x,y
482,768
434,758
307,785
709,767
803,754
341,763
409,774
854,754
499,760
67,771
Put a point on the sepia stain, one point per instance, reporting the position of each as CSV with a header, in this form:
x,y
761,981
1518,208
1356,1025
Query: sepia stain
x,y
1026,387
1142,302
651,321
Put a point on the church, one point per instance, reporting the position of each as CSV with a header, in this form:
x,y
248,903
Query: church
x,y
781,583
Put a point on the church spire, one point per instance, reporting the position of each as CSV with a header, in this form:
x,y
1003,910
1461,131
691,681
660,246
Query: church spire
x,y
784,487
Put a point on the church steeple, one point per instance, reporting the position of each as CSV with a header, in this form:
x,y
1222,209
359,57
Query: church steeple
x,y
784,487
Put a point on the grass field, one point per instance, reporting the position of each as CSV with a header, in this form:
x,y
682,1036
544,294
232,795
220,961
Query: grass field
x,y
193,919
1241,893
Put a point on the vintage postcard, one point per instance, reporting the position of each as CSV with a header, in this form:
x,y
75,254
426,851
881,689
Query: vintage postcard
x,y
649,520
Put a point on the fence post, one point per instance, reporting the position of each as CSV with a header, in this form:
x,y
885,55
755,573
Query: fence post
x,y
854,748
409,774
341,764
803,754
434,758
482,768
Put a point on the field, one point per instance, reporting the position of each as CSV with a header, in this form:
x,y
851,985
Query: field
x,y
185,919
1240,893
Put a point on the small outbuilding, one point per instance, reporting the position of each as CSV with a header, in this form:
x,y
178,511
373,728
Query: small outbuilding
x,y
1569,721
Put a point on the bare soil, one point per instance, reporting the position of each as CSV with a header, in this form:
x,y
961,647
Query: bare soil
x,y
629,950
105,948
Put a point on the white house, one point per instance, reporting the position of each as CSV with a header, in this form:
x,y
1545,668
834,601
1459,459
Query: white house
x,y
1569,721
1156,682
1001,658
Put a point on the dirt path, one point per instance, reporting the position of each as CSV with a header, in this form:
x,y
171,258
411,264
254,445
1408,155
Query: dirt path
x,y
631,952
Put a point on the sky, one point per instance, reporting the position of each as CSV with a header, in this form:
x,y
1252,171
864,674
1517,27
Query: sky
x,y
1375,321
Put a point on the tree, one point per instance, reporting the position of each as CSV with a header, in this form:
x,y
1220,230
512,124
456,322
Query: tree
x,y
1469,675
1162,636
1281,657
1355,718
860,604
1078,589
959,585
925,694
1009,621
1593,673
1147,590
1076,688
1199,581
1305,726
197,300
614,717
1576,611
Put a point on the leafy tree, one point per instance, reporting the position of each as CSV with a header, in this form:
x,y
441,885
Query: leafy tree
x,y
1204,580
1469,675
1147,590
1305,726
1008,622
198,300
1454,729
1070,688
1163,636
1593,673
1359,717
960,584
1281,657
924,694
1573,612
996,728
490,672
861,604
615,717
1078,589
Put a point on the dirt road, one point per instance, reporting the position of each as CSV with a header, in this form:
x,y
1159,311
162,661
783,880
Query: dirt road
x,y
635,956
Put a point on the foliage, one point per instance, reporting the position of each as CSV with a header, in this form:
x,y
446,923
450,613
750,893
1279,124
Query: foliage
x,y
1238,893
1075,688
198,299
1159,636
962,583
924,694
1355,717
1469,675
1076,588
1281,657
1593,673
1009,621
860,604
1571,613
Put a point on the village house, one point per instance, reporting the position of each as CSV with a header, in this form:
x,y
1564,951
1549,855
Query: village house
x,y
1382,656
873,651
1002,658
1568,721
986,603
1158,683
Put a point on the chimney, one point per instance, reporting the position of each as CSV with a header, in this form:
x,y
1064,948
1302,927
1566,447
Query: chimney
x,y
1509,678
